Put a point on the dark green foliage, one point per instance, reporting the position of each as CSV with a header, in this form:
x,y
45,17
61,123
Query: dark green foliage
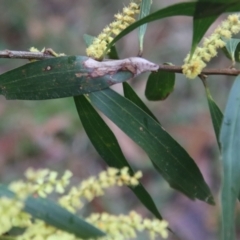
x,y
107,146
171,160
159,85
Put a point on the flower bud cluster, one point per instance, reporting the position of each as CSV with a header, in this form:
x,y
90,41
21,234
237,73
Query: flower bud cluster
x,y
9,210
41,182
126,226
122,20
116,227
94,186
193,66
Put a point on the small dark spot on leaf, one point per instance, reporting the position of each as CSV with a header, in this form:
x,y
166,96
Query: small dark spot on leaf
x,y
228,122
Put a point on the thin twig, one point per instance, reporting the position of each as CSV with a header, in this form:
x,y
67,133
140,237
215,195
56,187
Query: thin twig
x,y
167,68
207,71
25,55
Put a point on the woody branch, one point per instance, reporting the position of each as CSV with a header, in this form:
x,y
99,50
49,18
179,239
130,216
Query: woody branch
x,y
167,68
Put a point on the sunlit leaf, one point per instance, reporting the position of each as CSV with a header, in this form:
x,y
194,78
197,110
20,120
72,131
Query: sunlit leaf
x,y
230,143
159,85
170,159
54,215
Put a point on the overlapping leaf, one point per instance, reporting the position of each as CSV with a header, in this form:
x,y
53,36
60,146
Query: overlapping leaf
x,y
159,85
216,114
107,146
210,11
144,11
105,141
56,216
133,97
206,12
170,159
230,143
55,78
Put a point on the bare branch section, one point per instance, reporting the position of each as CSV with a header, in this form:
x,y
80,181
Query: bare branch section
x,y
25,55
166,68
207,71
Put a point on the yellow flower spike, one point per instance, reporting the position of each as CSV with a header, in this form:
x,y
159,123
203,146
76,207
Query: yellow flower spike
x,y
125,226
21,188
62,183
116,31
114,24
106,30
134,5
212,51
119,16
33,175
220,43
117,227
226,33
192,68
206,57
112,171
122,20
128,11
138,175
233,18
128,19
10,210
52,176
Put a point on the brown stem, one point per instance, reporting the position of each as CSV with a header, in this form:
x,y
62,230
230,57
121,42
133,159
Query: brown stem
x,y
207,71
167,68
25,55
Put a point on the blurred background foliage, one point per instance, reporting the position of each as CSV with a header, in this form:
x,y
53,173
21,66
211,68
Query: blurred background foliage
x,y
48,134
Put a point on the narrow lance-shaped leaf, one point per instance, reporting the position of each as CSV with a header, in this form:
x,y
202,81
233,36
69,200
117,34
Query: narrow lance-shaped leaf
x,y
182,9
171,160
216,114
108,148
68,76
159,85
56,216
133,97
144,11
206,13
230,143
105,141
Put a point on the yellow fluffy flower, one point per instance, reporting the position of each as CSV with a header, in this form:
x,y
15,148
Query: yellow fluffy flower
x,y
116,227
95,186
127,226
122,20
193,66
11,215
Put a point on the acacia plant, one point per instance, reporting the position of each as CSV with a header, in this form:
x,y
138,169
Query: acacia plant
x,y
88,79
